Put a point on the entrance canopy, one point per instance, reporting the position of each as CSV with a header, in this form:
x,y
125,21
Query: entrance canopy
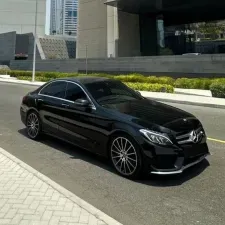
x,y
174,11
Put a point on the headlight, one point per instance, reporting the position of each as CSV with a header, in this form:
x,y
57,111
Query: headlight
x,y
157,138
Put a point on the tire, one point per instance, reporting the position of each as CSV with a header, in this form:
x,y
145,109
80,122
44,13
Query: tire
x,y
33,125
125,156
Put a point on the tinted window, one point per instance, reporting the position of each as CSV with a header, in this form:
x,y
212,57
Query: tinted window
x,y
55,89
106,91
74,92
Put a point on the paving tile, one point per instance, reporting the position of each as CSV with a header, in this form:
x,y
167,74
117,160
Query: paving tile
x,y
25,199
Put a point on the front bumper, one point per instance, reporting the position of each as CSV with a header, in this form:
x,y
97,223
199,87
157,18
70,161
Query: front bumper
x,y
23,114
180,170
173,159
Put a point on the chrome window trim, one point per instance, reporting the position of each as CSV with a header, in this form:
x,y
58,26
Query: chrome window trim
x,y
54,81
49,96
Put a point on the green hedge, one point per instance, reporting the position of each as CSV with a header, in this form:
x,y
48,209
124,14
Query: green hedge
x,y
137,81
150,87
197,83
218,90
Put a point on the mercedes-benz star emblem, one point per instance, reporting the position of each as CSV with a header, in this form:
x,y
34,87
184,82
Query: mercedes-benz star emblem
x,y
194,137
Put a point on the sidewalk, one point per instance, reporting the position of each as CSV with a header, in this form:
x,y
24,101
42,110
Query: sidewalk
x,y
188,98
29,198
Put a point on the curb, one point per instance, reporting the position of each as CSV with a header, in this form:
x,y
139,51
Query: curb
x,y
91,209
2,80
188,103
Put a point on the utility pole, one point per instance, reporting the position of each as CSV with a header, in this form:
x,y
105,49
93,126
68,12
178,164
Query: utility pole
x,y
86,63
35,42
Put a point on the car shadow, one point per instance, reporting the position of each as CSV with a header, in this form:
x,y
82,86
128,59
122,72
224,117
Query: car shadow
x,y
73,151
152,180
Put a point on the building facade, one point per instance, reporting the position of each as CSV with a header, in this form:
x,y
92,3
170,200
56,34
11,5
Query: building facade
x,y
56,17
121,28
63,17
70,17
19,16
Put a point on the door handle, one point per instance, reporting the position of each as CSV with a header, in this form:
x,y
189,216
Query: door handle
x,y
66,105
40,100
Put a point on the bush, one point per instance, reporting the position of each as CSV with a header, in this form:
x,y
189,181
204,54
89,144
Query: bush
x,y
135,79
218,90
131,78
145,79
160,80
194,83
150,87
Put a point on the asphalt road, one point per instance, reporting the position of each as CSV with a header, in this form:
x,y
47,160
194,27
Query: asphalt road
x,y
195,197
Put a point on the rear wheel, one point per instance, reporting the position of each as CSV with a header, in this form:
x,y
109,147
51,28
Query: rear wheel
x,y
126,157
33,125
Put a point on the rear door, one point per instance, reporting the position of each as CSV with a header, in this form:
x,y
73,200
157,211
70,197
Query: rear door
x,y
50,104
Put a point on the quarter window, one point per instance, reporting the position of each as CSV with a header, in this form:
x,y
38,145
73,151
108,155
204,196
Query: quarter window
x,y
55,89
74,92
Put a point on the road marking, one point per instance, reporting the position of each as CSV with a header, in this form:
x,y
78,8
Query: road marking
x,y
216,140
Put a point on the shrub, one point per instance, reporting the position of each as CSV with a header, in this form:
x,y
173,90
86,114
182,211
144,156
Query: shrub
x,y
131,78
195,83
150,87
218,90
160,80
145,79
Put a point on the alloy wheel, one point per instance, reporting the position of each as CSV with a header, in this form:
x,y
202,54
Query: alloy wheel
x,y
33,125
124,156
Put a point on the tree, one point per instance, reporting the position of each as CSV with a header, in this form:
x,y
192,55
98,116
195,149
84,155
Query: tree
x,y
211,29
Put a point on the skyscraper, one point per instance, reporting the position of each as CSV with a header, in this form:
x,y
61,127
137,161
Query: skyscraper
x,y
70,17
56,17
63,17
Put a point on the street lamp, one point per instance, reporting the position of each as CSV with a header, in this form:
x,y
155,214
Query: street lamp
x,y
35,42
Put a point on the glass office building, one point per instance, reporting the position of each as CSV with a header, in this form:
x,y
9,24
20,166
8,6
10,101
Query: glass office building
x,y
150,27
63,17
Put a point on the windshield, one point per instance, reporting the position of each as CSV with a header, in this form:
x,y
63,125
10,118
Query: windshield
x,y
111,92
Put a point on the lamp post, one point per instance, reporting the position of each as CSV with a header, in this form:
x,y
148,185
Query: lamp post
x,y
35,42
86,61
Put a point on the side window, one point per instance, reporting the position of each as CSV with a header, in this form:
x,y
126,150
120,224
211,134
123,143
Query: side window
x,y
74,92
55,89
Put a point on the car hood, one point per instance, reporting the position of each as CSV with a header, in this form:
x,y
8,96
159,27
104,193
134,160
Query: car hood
x,y
148,113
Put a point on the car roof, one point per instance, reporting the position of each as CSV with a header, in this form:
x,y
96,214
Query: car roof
x,y
85,79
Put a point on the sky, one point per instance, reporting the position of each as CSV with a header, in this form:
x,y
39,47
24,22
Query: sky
x,y
47,25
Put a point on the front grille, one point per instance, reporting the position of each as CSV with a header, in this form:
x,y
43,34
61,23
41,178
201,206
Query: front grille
x,y
194,136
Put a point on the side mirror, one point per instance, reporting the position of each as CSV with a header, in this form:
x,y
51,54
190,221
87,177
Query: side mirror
x,y
82,102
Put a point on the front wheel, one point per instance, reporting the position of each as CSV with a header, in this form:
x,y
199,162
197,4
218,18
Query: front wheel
x,y
126,157
33,125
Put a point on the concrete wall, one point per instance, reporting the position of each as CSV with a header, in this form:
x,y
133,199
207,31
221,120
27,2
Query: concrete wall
x,y
7,46
92,29
19,16
193,66
45,65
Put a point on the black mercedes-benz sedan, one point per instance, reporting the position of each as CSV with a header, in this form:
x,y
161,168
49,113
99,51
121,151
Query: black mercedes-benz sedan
x,y
108,118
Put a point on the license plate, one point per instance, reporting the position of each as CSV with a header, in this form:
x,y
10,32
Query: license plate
x,y
195,150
